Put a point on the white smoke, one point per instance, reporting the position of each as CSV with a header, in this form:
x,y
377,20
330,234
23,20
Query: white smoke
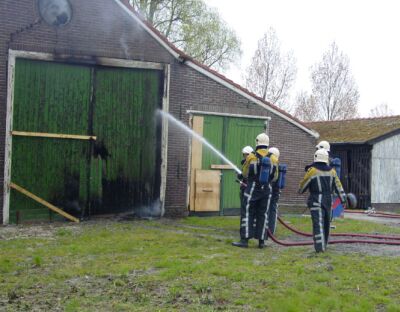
x,y
124,46
154,210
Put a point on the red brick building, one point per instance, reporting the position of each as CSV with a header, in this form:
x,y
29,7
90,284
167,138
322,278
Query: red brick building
x,y
75,62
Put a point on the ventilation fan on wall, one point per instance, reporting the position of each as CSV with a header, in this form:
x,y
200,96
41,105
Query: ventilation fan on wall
x,y
55,12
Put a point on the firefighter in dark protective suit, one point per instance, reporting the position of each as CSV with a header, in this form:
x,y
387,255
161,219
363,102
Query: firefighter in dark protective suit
x,y
275,195
257,196
321,180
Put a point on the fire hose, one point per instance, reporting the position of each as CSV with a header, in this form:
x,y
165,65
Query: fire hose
x,y
342,241
380,236
373,213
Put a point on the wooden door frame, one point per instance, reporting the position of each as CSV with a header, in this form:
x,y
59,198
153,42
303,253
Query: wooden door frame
x,y
13,55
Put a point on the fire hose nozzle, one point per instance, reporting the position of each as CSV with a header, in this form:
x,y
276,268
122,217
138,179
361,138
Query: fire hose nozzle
x,y
241,182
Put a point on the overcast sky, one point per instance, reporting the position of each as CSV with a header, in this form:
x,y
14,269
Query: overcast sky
x,y
367,31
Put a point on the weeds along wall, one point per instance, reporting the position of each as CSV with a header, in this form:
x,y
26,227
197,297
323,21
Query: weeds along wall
x,y
101,28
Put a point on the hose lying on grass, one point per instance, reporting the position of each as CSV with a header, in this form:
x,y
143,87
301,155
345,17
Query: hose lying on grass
x,y
380,236
373,213
342,241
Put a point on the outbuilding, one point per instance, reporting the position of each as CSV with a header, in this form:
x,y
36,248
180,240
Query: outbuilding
x,y
369,150
80,85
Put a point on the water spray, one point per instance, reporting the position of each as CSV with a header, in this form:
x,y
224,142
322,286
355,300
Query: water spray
x,y
197,136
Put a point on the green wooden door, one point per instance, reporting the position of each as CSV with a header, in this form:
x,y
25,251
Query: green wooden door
x,y
117,172
50,98
229,135
213,132
128,148
239,133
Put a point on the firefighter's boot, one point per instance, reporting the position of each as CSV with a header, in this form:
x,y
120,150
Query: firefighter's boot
x,y
243,243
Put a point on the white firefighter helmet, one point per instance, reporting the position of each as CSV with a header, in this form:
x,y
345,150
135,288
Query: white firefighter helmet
x,y
321,155
323,145
247,150
262,139
274,151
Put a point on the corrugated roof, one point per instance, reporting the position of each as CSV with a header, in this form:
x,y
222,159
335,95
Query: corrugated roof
x,y
183,56
355,130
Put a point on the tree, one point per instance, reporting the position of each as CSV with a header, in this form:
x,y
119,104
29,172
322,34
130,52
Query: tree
x,y
194,28
381,110
333,86
306,108
271,73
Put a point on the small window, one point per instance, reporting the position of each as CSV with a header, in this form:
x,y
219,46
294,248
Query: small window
x,y
55,12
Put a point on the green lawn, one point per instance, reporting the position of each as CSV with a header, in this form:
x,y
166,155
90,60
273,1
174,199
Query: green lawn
x,y
189,265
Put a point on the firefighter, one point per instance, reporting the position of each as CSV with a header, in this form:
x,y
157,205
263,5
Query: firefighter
x,y
276,193
246,151
257,195
321,180
323,145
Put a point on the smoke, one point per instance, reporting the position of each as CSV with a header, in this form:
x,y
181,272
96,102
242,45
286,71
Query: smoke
x,y
154,210
124,46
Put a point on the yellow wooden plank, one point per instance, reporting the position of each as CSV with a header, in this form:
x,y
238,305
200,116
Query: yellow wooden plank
x,y
54,135
197,152
223,167
207,187
43,202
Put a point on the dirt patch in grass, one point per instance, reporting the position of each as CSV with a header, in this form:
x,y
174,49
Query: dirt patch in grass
x,y
54,296
367,249
48,230
112,292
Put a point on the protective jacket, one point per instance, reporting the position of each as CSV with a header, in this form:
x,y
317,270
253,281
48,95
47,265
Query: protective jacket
x,y
321,180
256,202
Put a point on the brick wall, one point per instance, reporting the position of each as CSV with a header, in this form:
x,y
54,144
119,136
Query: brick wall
x,y
102,28
190,90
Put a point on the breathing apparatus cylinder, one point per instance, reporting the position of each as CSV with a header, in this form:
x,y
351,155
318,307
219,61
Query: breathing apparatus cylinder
x,y
351,200
265,169
336,163
282,176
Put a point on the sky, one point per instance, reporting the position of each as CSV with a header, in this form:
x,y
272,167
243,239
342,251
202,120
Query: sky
x,y
368,32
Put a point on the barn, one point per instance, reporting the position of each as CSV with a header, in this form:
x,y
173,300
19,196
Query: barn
x,y
369,150
80,85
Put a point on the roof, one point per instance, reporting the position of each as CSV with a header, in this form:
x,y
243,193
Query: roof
x,y
213,74
362,130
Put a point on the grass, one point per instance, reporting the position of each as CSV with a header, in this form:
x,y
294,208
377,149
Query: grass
x,y
189,265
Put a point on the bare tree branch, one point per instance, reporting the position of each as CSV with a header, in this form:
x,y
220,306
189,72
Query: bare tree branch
x,y
271,73
333,87
381,110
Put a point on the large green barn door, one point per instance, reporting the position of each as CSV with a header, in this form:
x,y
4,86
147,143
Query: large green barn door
x,y
128,148
239,133
50,98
